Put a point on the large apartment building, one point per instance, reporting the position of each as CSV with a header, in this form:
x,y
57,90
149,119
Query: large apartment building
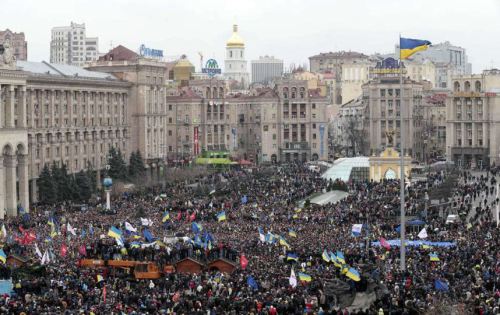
x,y
473,120
70,45
383,110
283,124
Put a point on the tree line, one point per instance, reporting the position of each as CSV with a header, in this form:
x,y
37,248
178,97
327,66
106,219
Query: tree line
x,y
55,184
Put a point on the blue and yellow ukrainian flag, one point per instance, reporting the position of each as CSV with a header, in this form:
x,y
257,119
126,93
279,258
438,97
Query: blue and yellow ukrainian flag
x,y
433,257
100,278
353,274
221,216
115,232
166,217
135,245
325,256
334,260
283,242
51,221
304,277
292,256
3,256
409,46
292,233
340,257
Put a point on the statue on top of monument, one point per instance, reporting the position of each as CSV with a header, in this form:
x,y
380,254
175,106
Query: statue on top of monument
x,y
7,58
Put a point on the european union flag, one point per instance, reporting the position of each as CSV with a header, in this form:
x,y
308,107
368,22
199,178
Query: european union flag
x,y
441,285
252,283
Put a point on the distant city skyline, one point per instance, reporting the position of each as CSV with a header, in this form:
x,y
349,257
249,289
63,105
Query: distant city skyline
x,y
289,30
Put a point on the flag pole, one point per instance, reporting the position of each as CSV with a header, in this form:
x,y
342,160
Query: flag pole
x,y
402,169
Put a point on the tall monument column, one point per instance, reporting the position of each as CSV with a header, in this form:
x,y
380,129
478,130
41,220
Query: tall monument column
x,y
22,165
2,188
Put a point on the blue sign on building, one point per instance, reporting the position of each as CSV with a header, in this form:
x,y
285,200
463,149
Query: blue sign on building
x,y
211,68
148,52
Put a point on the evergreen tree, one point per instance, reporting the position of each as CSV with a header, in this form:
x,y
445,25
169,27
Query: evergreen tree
x,y
55,171
46,187
82,182
136,165
65,186
118,167
92,178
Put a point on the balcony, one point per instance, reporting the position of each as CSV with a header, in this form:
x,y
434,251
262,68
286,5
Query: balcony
x,y
296,146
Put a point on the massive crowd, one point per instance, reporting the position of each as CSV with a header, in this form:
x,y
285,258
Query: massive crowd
x,y
465,277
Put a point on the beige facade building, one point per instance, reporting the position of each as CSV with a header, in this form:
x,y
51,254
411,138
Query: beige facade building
x,y
473,116
286,123
148,113
347,71
17,42
434,123
383,97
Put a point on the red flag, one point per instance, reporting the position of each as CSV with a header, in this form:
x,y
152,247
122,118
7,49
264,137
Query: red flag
x,y
243,262
192,217
385,244
104,294
179,216
82,250
64,250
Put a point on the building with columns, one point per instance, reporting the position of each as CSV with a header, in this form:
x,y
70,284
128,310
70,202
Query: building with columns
x,y
13,141
235,64
55,114
473,120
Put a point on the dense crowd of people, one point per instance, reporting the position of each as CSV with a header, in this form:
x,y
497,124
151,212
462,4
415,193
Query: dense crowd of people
x,y
263,225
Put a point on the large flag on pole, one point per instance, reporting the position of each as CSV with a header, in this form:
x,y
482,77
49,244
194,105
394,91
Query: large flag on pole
x,y
409,46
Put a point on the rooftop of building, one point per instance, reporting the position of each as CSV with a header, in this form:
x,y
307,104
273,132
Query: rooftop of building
x,y
119,53
45,68
340,55
11,32
342,167
267,59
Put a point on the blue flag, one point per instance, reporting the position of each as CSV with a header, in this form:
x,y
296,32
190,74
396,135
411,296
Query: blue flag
x,y
441,285
252,283
148,236
196,227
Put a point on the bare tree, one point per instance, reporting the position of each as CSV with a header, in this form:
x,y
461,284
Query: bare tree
x,y
355,135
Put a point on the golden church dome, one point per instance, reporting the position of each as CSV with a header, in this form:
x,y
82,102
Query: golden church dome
x,y
235,40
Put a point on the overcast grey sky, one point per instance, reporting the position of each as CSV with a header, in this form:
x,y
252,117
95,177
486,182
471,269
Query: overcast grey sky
x,y
289,29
